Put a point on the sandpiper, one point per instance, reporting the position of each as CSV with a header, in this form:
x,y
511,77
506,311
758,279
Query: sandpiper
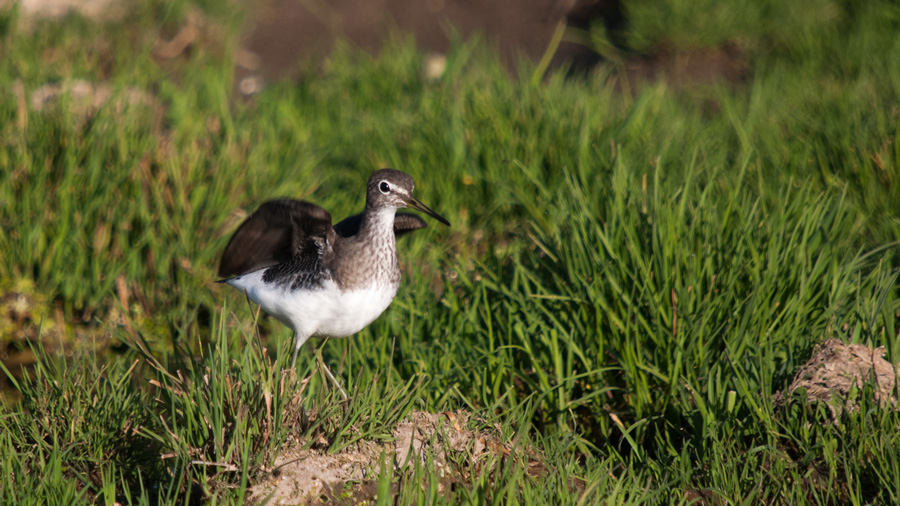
x,y
317,279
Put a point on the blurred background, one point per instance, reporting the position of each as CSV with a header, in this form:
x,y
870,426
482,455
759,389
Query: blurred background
x,y
660,210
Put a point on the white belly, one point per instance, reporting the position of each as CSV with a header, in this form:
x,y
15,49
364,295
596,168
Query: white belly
x,y
326,311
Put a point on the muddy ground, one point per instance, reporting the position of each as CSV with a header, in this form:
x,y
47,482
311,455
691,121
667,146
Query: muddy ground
x,y
284,32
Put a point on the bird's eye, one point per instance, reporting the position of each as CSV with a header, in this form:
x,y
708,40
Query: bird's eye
x,y
384,187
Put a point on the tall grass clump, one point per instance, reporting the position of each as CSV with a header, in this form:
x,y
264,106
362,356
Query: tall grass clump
x,y
635,299
76,434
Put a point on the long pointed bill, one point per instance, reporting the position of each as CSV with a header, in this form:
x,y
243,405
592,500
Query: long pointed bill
x,y
414,203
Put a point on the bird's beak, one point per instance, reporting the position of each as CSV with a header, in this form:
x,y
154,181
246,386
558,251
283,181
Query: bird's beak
x,y
414,203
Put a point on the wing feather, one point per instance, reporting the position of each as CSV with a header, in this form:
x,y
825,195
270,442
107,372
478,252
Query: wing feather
x,y
278,232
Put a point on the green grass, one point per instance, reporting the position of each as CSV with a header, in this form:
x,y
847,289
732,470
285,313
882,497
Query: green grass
x,y
627,281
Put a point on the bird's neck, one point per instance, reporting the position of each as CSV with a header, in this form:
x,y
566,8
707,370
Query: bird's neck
x,y
378,224
376,235
371,253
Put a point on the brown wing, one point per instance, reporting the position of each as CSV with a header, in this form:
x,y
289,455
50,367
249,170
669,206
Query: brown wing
x,y
403,223
277,232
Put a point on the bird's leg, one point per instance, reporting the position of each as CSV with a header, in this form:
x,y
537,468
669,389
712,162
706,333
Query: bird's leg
x,y
255,319
296,350
321,365
325,370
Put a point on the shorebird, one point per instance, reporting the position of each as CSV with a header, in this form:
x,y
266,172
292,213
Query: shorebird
x,y
319,279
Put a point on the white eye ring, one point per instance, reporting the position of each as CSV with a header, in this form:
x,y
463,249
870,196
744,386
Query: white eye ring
x,y
384,187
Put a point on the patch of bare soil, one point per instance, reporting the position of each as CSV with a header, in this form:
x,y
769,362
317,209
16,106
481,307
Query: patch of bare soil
x,y
313,476
283,33
837,373
287,30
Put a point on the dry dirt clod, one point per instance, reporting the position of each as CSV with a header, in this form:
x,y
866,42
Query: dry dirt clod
x,y
836,370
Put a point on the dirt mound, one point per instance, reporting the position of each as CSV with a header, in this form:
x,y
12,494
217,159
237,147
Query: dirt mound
x,y
312,476
836,372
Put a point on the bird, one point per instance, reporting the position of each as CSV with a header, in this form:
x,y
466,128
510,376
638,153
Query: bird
x,y
318,279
